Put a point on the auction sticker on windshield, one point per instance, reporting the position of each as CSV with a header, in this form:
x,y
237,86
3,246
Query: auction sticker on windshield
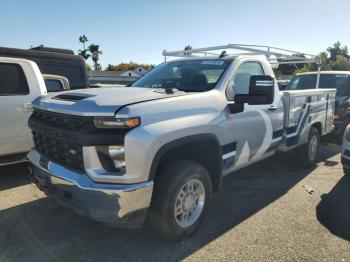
x,y
212,62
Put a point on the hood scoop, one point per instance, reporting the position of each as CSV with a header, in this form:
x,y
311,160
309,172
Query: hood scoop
x,y
72,97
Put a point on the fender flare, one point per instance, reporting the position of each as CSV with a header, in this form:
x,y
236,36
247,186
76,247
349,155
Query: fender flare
x,y
181,142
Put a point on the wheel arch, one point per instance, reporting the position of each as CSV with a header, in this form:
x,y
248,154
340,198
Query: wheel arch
x,y
318,126
204,149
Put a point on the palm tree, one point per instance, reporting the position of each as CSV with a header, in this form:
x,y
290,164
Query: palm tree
x,y
84,53
95,55
83,39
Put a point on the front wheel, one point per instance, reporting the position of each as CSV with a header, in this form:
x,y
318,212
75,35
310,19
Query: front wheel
x,y
180,201
307,154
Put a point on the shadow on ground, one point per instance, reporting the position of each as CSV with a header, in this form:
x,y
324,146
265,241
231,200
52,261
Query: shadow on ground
x,y
13,176
334,209
42,230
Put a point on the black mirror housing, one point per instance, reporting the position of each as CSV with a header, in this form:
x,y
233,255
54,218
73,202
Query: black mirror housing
x,y
261,91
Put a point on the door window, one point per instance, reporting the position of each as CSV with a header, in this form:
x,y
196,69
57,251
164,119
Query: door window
x,y
12,80
239,83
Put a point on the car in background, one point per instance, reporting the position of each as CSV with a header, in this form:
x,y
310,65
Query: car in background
x,y
54,61
20,83
345,152
329,79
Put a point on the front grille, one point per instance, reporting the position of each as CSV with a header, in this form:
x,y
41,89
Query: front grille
x,y
60,137
60,151
68,122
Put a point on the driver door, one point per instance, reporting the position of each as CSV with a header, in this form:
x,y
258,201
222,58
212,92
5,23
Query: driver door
x,y
249,134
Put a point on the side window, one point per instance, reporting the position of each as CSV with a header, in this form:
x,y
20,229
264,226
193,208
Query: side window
x,y
239,83
12,80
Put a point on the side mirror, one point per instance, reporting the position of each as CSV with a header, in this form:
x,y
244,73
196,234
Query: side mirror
x,y
261,91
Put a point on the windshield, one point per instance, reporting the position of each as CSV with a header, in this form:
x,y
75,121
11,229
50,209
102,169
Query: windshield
x,y
338,81
191,76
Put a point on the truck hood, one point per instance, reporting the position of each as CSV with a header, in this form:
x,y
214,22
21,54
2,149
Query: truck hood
x,y
100,101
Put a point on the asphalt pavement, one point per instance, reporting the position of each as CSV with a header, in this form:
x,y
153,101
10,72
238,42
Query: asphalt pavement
x,y
271,211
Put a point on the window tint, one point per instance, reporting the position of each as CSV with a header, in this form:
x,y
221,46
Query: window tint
x,y
53,85
299,82
74,74
241,79
188,76
339,81
12,80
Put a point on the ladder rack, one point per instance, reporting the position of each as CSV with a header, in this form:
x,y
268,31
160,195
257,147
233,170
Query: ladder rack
x,y
274,55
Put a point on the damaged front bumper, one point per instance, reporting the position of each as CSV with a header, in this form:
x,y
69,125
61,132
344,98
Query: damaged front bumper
x,y
123,205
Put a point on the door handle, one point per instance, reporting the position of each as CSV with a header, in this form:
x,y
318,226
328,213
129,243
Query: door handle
x,y
27,107
273,108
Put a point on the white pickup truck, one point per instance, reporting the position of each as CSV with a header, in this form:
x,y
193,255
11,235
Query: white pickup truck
x,y
20,83
160,147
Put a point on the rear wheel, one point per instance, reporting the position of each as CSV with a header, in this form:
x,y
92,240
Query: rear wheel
x,y
180,201
307,154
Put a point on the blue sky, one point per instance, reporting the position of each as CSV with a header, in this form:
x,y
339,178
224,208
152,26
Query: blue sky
x,y
139,30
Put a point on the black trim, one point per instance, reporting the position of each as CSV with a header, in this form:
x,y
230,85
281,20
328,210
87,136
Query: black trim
x,y
292,129
13,158
74,97
180,142
235,107
74,129
228,148
345,161
277,133
347,152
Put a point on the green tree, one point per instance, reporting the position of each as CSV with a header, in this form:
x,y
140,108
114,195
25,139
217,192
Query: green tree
x,y
84,52
341,63
188,47
83,39
95,56
335,58
337,50
88,67
128,66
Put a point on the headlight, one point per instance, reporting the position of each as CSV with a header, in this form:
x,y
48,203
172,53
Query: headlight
x,y
111,122
112,158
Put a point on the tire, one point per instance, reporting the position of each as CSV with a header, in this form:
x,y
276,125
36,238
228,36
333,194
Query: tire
x,y
346,171
307,154
339,137
173,188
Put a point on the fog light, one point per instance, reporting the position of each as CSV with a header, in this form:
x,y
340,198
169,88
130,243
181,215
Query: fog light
x,y
112,158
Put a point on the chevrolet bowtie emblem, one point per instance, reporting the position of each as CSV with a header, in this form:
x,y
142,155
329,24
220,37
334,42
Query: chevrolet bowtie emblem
x,y
72,152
